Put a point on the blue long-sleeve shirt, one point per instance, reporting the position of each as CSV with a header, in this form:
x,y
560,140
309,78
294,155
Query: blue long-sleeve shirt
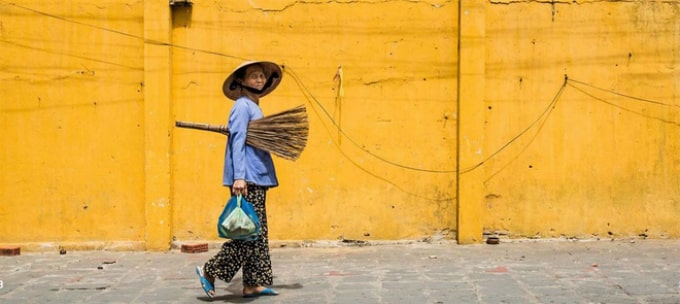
x,y
242,161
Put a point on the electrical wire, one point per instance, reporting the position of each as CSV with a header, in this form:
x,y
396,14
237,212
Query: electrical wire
x,y
311,97
545,113
626,109
540,120
288,70
623,95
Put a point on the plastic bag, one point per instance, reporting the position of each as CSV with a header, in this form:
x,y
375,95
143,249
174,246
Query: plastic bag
x,y
238,220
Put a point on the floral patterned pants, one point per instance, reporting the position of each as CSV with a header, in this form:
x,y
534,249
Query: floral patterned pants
x,y
252,256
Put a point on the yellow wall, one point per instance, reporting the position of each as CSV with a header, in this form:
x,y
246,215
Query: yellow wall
x,y
600,165
89,92
399,65
71,122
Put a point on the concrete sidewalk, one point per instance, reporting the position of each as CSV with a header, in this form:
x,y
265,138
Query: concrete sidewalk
x,y
640,271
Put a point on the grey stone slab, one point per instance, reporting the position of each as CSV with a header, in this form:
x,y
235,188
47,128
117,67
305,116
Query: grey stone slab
x,y
560,300
518,272
662,299
541,291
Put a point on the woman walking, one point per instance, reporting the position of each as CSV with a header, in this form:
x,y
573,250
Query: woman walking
x,y
250,172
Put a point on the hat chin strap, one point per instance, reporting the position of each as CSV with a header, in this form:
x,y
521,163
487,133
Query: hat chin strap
x,y
254,90
267,85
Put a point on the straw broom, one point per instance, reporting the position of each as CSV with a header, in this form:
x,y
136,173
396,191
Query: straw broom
x,y
283,134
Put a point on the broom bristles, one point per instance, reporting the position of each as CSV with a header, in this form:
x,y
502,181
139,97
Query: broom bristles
x,y
284,134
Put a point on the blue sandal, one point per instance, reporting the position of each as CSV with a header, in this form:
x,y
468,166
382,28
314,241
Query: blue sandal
x,y
263,292
207,286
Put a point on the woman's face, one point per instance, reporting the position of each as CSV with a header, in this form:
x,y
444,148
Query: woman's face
x,y
254,77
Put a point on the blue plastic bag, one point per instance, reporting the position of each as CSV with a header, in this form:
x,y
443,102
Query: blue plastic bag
x,y
238,220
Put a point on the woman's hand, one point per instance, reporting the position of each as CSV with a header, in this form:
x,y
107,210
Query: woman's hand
x,y
240,187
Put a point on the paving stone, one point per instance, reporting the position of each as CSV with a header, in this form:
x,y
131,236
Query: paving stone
x,y
517,272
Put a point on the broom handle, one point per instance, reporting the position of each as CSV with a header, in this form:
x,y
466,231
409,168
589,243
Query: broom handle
x,y
204,127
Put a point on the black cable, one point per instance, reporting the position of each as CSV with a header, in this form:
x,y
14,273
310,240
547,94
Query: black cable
x,y
149,41
546,112
305,90
341,131
540,127
623,108
624,95
308,96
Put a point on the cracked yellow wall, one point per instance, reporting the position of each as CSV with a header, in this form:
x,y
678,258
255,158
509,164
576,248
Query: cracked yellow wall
x,y
90,90
89,156
71,124
595,163
398,62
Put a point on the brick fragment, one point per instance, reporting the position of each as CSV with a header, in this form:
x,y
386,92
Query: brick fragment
x,y
195,248
10,251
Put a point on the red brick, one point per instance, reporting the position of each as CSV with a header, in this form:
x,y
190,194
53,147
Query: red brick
x,y
10,251
195,248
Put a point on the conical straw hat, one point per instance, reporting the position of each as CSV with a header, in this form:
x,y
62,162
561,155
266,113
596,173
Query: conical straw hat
x,y
272,72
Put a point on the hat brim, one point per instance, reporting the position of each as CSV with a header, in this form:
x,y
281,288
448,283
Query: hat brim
x,y
272,71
